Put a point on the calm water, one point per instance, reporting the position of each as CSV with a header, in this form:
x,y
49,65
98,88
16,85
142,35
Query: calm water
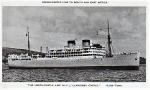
x,y
73,75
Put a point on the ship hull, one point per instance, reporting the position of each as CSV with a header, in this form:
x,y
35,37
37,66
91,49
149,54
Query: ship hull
x,y
124,61
84,67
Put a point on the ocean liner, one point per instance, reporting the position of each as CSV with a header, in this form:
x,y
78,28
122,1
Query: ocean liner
x,y
88,55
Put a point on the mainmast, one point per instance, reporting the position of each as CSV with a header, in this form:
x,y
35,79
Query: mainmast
x,y
109,42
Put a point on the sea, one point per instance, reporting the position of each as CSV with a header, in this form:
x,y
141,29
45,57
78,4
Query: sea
x,y
74,75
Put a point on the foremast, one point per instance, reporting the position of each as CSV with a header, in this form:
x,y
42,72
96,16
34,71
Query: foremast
x,y
28,40
109,42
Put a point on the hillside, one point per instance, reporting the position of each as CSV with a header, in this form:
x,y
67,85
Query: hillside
x,y
8,50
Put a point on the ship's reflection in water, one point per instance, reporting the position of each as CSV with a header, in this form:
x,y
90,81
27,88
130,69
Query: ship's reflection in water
x,y
74,75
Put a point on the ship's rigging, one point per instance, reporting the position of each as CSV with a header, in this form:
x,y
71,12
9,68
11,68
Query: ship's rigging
x,y
109,42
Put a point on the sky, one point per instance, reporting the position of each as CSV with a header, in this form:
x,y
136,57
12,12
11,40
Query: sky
x,y
52,27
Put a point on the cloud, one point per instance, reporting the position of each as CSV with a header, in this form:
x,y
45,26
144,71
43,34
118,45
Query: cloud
x,y
80,13
136,35
53,26
142,10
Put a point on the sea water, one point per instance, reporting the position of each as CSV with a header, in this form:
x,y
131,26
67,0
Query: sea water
x,y
74,75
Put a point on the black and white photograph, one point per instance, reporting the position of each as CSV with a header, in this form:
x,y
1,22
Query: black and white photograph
x,y
73,44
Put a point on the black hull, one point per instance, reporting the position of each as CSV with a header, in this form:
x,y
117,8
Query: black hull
x,y
88,67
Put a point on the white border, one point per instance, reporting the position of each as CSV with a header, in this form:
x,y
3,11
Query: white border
x,y
137,85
